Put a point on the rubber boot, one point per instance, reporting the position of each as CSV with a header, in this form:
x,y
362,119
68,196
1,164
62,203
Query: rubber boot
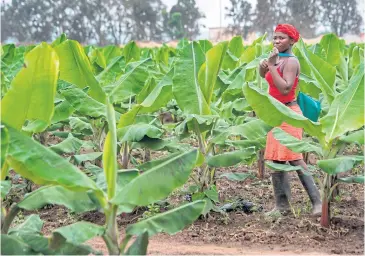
x,y
281,185
313,192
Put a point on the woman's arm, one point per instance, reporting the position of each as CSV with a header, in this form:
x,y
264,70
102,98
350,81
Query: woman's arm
x,y
285,83
263,68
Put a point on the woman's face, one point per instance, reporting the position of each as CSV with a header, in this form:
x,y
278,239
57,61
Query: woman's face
x,y
282,41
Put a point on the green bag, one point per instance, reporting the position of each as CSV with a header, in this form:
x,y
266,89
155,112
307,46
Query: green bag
x,y
310,107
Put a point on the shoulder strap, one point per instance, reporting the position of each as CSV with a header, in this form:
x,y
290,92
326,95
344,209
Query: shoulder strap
x,y
286,55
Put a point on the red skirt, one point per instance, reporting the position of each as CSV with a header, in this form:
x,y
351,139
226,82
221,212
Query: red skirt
x,y
275,151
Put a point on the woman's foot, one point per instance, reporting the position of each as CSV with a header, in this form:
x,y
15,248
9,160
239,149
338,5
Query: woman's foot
x,y
280,182
278,212
317,209
311,188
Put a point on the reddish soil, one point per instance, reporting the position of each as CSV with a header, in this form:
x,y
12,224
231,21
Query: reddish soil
x,y
240,233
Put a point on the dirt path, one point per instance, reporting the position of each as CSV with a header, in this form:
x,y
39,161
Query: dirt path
x,y
166,245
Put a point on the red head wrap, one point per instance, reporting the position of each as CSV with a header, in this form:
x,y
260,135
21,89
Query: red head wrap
x,y
288,29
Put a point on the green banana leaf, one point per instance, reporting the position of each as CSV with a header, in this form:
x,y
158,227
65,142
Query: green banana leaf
x,y
186,88
75,68
282,167
32,90
331,46
5,186
206,45
232,158
355,137
131,52
139,246
81,126
12,245
347,110
321,70
112,72
87,157
42,166
352,179
76,201
278,113
175,172
169,222
159,96
131,82
76,233
237,176
69,145
83,103
62,111
340,164
136,132
4,144
295,144
32,224
208,72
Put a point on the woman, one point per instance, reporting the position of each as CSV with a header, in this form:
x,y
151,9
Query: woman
x,y
282,74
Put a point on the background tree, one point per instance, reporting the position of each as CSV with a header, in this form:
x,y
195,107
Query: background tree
x,y
305,15
144,19
342,16
183,20
242,15
174,24
269,13
35,20
118,21
87,21
27,20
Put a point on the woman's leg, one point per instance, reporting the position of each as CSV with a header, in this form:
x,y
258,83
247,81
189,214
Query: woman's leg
x,y
281,185
310,186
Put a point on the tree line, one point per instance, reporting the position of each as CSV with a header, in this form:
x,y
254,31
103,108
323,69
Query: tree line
x,y
340,16
105,22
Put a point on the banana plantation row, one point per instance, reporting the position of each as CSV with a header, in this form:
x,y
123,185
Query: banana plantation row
x,y
106,102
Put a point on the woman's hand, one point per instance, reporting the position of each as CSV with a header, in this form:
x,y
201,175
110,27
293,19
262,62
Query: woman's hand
x,y
263,64
263,68
273,57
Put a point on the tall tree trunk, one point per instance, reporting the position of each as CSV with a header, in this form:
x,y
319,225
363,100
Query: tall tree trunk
x,y
306,157
125,157
261,164
325,218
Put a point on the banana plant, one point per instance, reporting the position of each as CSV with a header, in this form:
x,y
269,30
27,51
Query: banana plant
x,y
345,114
333,61
234,109
64,184
115,191
132,82
193,84
214,95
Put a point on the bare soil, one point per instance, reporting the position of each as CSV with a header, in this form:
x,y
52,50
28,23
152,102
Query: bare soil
x,y
249,234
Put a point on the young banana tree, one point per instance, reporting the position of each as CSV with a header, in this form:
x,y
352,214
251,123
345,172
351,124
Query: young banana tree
x,y
193,84
232,97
